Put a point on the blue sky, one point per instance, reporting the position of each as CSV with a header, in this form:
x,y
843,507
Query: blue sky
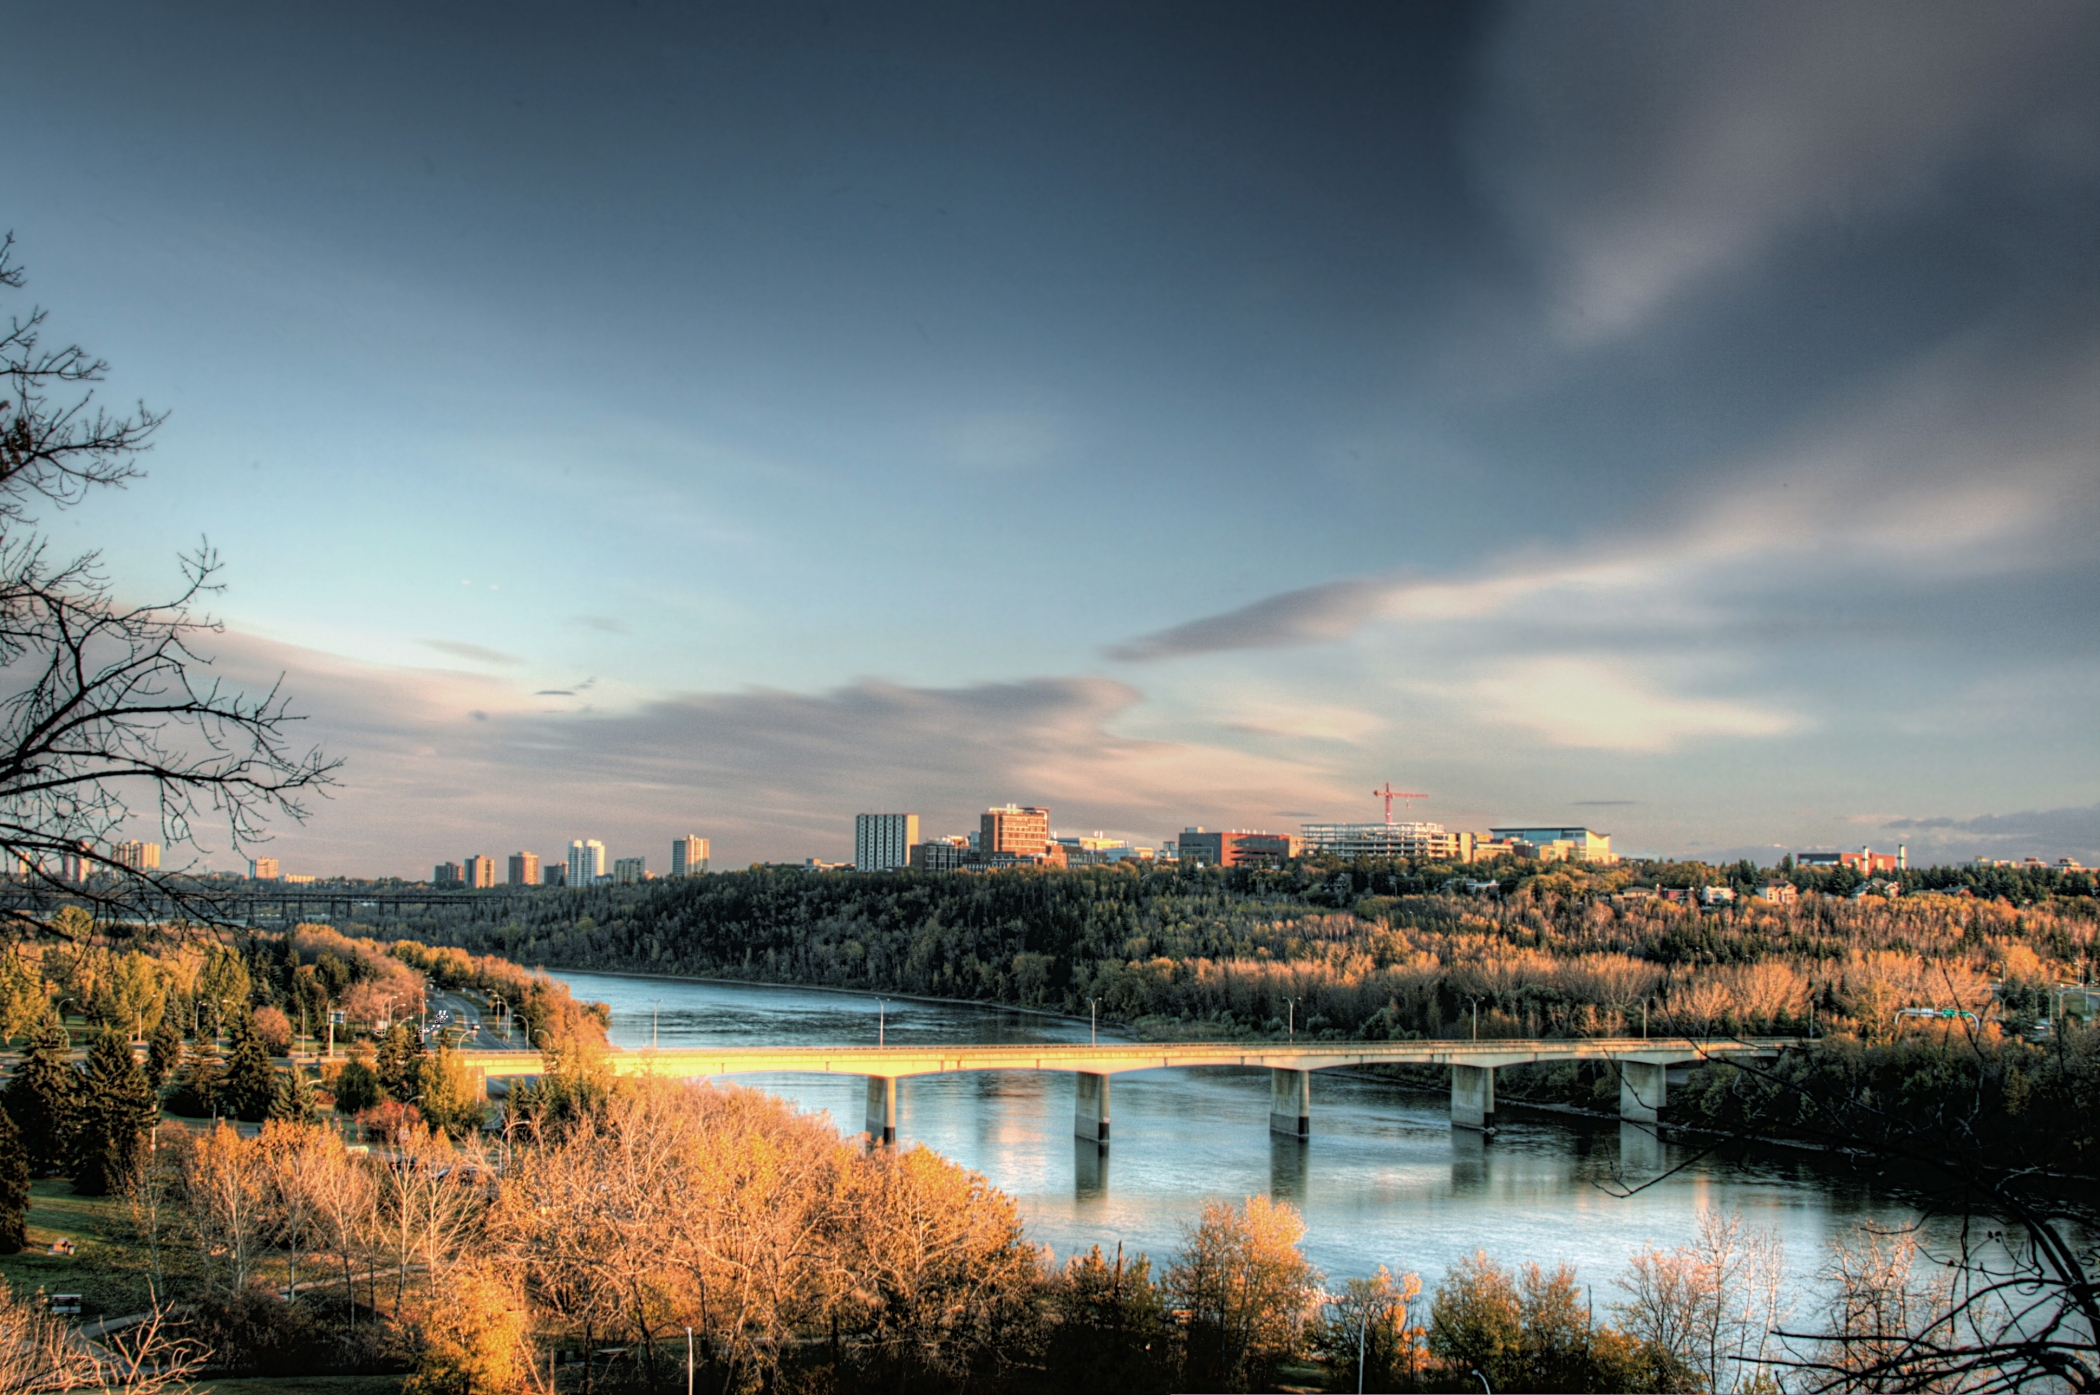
x,y
621,423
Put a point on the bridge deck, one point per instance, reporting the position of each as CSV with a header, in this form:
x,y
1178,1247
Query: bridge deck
x,y
1117,1058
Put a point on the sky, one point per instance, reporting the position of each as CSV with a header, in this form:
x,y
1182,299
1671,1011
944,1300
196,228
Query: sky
x,y
622,422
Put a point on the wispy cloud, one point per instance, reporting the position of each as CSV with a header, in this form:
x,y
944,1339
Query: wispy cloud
x,y
1643,151
474,653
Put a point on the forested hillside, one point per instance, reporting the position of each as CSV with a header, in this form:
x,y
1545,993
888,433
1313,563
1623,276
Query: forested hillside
x,y
1367,952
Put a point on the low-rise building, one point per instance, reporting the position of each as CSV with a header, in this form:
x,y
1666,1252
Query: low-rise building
x,y
1561,844
1429,842
1237,847
1779,893
1716,895
1866,862
940,855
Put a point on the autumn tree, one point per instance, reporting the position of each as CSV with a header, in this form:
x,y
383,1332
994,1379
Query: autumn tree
x,y
1364,1333
1712,1304
226,1204
1248,1290
1111,1329
478,1341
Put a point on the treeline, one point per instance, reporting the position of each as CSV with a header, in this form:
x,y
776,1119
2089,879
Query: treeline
x,y
577,1255
1224,951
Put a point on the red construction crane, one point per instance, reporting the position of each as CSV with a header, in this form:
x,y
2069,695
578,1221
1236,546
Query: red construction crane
x,y
1389,794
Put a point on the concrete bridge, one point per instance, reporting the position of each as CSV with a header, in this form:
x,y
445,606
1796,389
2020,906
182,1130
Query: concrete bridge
x,y
1643,1067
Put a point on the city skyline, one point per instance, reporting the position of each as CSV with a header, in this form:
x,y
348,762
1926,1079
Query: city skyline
x,y
1409,391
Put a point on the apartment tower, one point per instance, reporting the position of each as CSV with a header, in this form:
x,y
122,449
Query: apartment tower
x,y
524,869
688,856
883,842
586,862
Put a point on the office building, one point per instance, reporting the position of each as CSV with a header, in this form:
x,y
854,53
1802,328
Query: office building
x,y
586,862
263,869
524,869
139,857
688,856
1024,831
1237,847
1429,842
1562,844
628,870
940,855
448,874
883,842
481,872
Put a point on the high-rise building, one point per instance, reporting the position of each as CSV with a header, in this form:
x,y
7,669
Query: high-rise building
x,y
627,870
263,869
1014,829
586,862
446,874
883,842
139,857
688,856
554,874
524,869
481,872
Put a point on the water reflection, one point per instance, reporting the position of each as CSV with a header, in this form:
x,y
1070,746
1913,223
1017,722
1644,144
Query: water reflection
x,y
1089,1169
1383,1180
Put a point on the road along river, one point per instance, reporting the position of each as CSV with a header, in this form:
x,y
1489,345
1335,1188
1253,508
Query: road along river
x,y
1384,1179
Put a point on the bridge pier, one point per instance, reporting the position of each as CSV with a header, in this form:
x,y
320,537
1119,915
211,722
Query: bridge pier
x,y
1090,1107
882,1110
1290,1102
1473,1097
1643,1088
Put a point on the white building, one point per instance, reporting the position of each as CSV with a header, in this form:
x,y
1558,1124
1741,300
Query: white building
x,y
628,870
688,856
586,862
1429,841
883,842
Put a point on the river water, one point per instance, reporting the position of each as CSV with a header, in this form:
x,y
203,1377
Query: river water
x,y
1384,1179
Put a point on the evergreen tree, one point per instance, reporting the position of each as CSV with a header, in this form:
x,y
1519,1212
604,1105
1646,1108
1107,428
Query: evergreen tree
x,y
400,1064
163,1052
118,1107
200,1083
43,1098
14,1188
294,1101
356,1088
251,1081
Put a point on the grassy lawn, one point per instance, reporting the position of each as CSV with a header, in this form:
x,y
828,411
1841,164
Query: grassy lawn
x,y
107,1270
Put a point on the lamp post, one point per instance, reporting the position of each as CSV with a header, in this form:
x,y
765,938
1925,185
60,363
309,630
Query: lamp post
x,y
881,1026
1290,1019
654,1005
1093,1022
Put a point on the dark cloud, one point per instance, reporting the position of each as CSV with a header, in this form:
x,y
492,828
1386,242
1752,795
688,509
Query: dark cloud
x,y
2052,831
1332,610
766,773
474,653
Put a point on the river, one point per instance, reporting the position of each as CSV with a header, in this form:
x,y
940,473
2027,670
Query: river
x,y
1383,1180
